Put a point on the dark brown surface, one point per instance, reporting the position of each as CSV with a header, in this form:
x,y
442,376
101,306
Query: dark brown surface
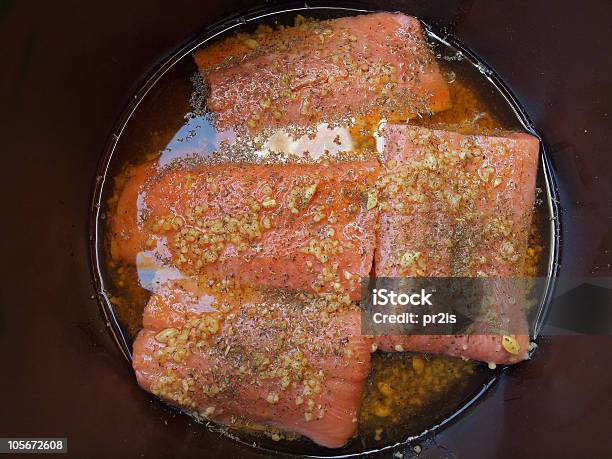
x,y
69,68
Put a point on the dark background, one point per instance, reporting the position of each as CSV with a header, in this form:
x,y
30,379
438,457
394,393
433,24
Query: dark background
x,y
67,71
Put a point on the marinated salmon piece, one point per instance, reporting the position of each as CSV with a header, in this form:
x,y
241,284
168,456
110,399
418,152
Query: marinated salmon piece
x,y
454,205
242,356
323,71
308,227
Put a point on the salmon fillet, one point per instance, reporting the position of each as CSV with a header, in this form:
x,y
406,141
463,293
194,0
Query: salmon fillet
x,y
301,227
323,70
238,355
454,205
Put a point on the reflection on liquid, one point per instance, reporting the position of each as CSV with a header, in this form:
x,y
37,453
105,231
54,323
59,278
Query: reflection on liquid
x,y
152,272
196,137
326,139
